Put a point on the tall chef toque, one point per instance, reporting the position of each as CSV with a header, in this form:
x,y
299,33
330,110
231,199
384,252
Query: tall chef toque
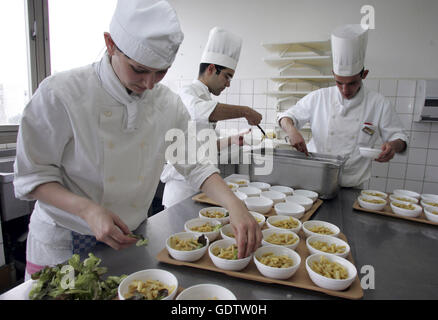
x,y
147,31
223,48
349,44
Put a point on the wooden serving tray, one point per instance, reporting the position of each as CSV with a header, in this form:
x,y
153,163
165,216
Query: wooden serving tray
x,y
201,197
300,279
387,211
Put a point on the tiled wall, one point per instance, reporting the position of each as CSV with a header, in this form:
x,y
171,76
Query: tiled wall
x,y
416,169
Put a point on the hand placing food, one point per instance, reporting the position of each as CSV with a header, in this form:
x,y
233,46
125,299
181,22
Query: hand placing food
x,y
297,141
387,153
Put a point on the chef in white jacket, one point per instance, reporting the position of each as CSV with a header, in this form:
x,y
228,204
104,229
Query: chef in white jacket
x,y
91,143
347,116
218,64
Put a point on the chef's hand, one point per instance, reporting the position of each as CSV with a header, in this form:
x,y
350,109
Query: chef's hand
x,y
107,227
297,141
252,116
388,152
238,139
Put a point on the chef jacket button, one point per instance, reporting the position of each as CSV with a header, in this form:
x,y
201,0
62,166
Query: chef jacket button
x,y
142,144
141,178
133,205
108,114
111,179
110,145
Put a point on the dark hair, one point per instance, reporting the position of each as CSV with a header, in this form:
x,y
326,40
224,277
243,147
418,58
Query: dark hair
x,y
204,66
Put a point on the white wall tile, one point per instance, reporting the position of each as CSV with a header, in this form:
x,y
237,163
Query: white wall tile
x,y
431,174
393,184
419,139
432,157
388,87
417,156
433,142
234,87
260,86
430,187
372,84
406,88
397,170
377,184
415,172
401,157
272,86
404,105
247,86
416,186
434,127
379,169
260,101
246,100
421,126
233,99
222,98
271,116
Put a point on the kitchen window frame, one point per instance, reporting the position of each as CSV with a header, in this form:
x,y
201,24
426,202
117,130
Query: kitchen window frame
x,y
38,55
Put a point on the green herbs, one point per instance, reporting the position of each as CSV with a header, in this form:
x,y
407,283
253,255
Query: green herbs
x,y
142,241
75,280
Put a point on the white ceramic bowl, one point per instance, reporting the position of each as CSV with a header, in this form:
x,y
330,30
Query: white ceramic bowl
x,y
232,186
327,283
273,219
259,204
430,215
206,291
429,197
250,191
307,193
408,193
329,240
188,256
223,220
270,231
289,208
163,276
369,152
197,222
240,195
286,190
307,203
369,205
260,185
225,230
428,204
374,193
277,273
261,219
394,197
406,212
314,223
225,264
238,181
275,196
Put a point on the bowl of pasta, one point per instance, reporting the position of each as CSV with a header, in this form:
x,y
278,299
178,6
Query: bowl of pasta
x,y
374,193
209,228
224,255
317,227
283,238
431,214
407,199
150,284
187,246
372,203
283,189
307,203
215,213
306,193
227,232
259,218
289,208
276,262
411,210
206,291
330,272
408,193
327,244
239,181
430,204
260,185
280,222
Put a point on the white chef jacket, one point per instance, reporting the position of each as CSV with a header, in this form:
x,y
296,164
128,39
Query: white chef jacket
x,y
77,131
199,103
337,127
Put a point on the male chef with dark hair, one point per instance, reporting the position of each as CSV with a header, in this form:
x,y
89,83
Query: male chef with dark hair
x,y
347,116
218,64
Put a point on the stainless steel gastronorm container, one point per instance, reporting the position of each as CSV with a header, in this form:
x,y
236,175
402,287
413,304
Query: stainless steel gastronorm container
x,y
319,172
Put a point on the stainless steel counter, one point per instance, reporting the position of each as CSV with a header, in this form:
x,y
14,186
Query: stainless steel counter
x,y
403,254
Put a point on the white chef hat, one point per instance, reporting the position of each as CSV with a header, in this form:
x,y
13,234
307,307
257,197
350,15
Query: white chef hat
x,y
147,31
223,48
349,44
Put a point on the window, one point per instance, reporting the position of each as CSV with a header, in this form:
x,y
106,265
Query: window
x,y
76,31
15,88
